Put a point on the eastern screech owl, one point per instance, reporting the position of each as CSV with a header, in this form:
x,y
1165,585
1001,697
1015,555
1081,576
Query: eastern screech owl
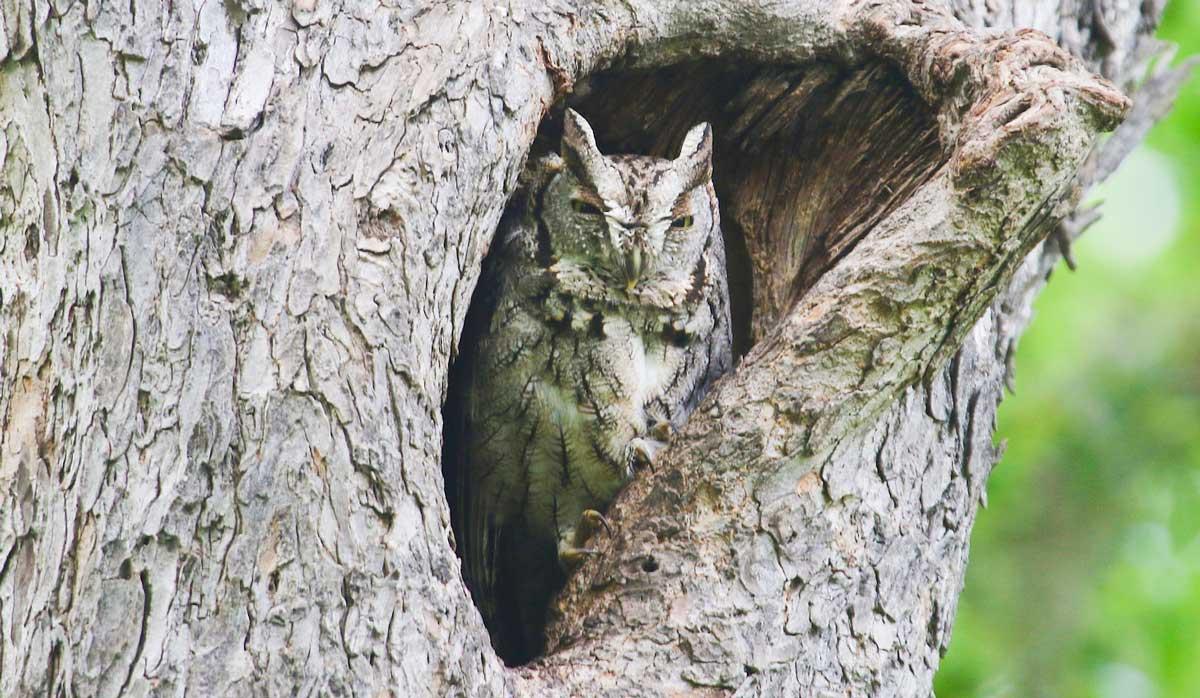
x,y
610,319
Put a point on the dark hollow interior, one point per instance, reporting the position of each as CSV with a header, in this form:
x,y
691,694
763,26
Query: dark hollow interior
x,y
807,160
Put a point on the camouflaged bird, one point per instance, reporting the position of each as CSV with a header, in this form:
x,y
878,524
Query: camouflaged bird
x,y
609,319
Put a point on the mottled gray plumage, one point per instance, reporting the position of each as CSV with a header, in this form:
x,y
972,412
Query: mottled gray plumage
x,y
610,319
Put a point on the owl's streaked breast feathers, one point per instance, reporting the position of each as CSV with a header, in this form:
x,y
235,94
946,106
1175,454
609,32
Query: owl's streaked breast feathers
x,y
611,319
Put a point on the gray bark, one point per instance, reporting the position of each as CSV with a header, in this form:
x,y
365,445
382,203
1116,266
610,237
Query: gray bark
x,y
237,245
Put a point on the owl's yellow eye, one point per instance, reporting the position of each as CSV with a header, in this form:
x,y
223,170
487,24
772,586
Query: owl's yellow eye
x,y
582,207
682,222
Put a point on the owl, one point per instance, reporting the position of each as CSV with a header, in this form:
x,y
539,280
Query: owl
x,y
609,318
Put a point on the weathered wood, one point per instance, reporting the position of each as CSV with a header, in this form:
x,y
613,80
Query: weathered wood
x,y
238,241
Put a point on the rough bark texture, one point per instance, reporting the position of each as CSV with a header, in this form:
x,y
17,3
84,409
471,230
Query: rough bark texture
x,y
238,241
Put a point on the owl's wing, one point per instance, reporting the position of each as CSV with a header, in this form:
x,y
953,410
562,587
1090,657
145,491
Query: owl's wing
x,y
511,571
475,453
475,536
510,574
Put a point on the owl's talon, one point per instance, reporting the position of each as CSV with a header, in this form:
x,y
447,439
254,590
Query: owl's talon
x,y
571,557
571,548
590,521
662,431
644,451
641,455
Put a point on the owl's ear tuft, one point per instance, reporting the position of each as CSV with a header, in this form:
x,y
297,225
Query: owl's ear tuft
x,y
583,157
694,163
578,139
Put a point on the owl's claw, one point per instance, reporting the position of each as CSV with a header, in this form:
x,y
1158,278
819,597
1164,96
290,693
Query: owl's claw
x,y
662,431
590,521
645,449
570,557
572,554
643,453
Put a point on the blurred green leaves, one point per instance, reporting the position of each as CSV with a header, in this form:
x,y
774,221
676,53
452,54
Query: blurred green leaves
x,y
1084,577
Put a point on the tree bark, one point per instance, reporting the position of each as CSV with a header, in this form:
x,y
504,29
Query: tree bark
x,y
238,242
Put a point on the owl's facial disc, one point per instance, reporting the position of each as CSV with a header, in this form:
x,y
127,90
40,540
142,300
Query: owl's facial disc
x,y
643,233
633,244
634,219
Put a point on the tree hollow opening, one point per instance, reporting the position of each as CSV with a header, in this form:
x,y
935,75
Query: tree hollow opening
x,y
807,160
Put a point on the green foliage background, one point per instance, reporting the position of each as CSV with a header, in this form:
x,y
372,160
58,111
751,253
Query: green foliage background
x,y
1084,577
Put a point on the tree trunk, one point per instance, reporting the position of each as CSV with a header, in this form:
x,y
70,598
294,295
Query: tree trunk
x,y
238,241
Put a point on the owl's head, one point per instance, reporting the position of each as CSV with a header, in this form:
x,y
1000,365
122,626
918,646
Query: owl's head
x,y
628,222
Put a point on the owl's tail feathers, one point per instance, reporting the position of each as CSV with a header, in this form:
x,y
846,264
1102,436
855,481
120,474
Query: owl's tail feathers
x,y
481,545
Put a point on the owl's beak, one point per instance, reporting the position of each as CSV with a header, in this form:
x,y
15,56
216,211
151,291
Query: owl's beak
x,y
634,264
